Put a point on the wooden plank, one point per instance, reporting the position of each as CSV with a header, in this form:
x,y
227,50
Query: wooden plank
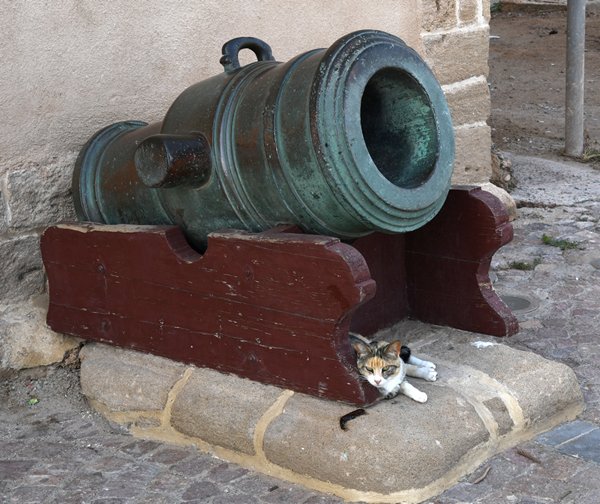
x,y
385,255
448,261
274,307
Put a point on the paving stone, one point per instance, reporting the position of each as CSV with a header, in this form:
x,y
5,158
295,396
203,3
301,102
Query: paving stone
x,y
140,447
284,495
320,499
13,469
200,490
194,466
226,472
167,483
566,432
235,499
169,456
32,493
586,446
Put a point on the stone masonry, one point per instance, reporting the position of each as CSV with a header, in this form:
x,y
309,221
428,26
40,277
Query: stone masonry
x,y
489,397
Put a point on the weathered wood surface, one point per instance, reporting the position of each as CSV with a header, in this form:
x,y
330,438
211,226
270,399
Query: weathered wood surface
x,y
440,273
274,307
448,262
385,255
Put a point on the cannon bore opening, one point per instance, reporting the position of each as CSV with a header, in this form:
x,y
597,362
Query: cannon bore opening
x,y
399,127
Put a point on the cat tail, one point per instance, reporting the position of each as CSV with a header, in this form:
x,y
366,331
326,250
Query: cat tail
x,y
405,354
359,337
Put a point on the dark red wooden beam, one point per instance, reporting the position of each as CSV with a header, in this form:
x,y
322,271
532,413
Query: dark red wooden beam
x,y
448,262
276,306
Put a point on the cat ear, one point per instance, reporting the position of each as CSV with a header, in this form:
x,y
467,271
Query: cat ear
x,y
359,347
394,348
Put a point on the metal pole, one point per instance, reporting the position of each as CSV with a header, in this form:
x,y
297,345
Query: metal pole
x,y
575,78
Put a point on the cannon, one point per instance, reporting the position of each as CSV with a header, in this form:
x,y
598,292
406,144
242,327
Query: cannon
x,y
341,141
216,235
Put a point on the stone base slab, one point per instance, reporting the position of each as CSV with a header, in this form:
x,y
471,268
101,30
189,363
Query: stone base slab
x,y
488,397
25,339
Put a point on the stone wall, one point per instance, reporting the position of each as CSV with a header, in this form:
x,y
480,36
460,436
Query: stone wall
x,y
73,67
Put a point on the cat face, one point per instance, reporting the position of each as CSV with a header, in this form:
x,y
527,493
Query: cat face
x,y
380,363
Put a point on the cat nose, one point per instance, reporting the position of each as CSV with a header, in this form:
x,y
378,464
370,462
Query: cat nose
x,y
377,382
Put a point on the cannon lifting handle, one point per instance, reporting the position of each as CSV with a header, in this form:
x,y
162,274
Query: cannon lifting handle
x,y
231,49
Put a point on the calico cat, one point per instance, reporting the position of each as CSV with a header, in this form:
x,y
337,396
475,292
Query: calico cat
x,y
386,365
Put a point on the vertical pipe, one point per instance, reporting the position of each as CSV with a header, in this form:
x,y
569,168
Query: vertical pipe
x,y
575,78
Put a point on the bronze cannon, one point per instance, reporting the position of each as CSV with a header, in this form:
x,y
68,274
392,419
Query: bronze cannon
x,y
340,141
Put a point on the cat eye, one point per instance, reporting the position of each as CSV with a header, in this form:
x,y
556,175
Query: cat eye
x,y
388,369
369,370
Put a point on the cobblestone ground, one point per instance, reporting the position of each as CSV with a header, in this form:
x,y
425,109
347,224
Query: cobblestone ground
x,y
53,449
58,451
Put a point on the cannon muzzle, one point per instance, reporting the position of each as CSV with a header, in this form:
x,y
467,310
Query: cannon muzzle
x,y
340,141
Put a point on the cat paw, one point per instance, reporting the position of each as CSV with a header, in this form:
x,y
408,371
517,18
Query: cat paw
x,y
420,397
431,375
428,364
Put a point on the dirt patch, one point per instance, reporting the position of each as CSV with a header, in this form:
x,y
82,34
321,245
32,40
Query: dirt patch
x,y
527,80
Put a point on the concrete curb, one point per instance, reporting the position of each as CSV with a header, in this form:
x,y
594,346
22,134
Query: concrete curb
x,y
489,397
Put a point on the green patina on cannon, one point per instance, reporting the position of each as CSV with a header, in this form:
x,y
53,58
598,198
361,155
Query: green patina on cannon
x,y
344,141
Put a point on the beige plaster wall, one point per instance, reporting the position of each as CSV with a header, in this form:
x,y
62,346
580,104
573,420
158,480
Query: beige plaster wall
x,y
71,67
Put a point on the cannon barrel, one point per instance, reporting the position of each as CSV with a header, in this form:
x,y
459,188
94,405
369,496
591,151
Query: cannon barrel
x,y
341,141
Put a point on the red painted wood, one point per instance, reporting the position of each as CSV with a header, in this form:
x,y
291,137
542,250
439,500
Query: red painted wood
x,y
385,255
274,307
448,260
440,273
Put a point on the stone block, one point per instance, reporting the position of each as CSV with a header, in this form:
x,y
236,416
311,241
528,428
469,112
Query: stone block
x,y
473,163
438,15
540,387
398,445
40,194
209,408
25,339
486,10
23,274
125,380
469,101
501,415
458,55
468,11
506,199
550,183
